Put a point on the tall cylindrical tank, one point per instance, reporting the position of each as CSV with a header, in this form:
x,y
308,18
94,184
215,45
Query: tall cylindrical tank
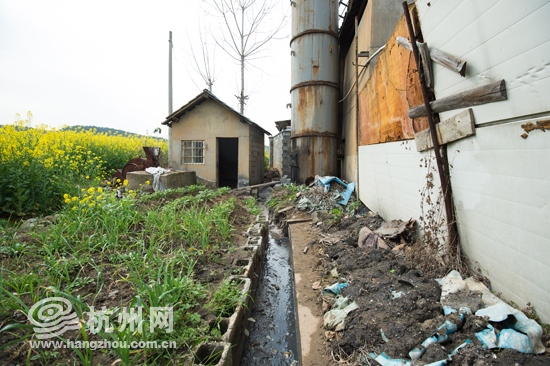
x,y
314,92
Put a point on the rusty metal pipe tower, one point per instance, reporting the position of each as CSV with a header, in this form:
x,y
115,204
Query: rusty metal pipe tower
x,y
314,92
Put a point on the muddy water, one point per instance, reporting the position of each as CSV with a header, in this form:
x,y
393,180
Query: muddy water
x,y
273,337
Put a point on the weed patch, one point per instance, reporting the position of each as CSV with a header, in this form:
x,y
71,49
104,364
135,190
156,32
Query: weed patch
x,y
117,261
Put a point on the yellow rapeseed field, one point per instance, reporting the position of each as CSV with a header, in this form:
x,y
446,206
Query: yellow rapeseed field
x,y
39,164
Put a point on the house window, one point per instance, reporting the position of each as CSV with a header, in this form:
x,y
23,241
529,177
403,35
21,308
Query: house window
x,y
192,152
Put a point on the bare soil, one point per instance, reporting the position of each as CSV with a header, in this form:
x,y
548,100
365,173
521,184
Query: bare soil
x,y
399,306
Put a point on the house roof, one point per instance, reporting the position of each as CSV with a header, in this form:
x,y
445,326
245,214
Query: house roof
x,y
281,125
347,30
204,96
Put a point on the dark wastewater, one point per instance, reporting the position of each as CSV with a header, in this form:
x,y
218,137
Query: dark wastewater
x,y
273,334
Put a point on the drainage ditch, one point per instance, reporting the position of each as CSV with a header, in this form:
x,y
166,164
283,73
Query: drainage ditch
x,y
273,331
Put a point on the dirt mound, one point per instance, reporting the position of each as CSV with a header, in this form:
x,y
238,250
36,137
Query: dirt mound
x,y
271,175
399,306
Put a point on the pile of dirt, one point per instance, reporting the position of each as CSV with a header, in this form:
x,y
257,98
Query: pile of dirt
x,y
399,306
272,174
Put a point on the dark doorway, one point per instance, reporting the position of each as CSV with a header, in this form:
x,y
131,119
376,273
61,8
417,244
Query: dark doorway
x,y
228,162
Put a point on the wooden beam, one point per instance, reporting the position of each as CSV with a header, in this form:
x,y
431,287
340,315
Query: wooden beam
x,y
455,128
427,65
449,61
259,185
490,93
446,60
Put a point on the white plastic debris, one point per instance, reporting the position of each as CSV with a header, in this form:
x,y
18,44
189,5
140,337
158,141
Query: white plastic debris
x,y
335,319
497,310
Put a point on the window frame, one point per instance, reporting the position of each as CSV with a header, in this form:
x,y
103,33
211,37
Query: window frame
x,y
192,149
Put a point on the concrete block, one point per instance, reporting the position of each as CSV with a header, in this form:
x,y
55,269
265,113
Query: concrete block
x,y
235,334
137,180
212,353
178,179
174,179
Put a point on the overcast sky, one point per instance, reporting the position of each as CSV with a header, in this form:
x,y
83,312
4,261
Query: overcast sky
x,y
105,63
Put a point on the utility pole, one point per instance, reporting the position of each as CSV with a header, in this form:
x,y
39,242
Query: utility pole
x,y
170,109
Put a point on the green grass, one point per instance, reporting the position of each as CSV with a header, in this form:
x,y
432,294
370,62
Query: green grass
x,y
152,243
252,207
278,201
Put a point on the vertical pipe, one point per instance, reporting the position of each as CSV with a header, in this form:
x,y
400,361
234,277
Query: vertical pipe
x,y
443,176
170,109
357,139
315,89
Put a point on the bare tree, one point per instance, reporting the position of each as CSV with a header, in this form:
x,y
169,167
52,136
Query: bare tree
x,y
247,29
203,63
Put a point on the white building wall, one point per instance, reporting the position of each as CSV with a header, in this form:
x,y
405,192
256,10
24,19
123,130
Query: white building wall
x,y
501,182
500,39
392,175
502,199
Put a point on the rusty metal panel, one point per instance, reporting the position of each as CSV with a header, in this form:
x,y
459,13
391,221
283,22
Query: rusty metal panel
x,y
391,90
312,156
314,14
314,91
314,109
314,57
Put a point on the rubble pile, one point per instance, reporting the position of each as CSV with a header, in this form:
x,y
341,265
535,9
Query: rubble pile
x,y
379,309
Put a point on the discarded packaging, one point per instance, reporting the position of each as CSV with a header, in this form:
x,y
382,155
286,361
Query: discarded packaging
x,y
334,289
441,335
335,319
497,310
392,229
384,360
325,182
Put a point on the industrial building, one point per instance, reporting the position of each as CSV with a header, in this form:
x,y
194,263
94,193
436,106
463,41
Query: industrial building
x,y
358,112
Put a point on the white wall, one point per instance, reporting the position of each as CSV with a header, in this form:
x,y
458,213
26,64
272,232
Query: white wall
x,y
501,182
500,39
501,189
391,178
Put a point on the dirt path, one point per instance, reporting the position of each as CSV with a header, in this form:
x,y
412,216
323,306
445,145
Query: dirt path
x,y
310,311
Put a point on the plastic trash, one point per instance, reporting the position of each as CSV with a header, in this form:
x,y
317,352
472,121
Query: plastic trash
x,y
396,294
463,310
157,172
497,311
384,360
441,335
458,348
325,182
384,338
335,319
507,338
334,289
517,321
488,337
